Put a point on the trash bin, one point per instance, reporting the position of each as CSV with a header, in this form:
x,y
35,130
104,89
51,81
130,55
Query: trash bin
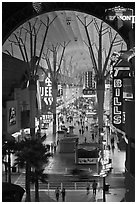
x,y
107,187
14,169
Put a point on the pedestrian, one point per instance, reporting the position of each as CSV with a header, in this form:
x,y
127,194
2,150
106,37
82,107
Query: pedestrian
x,y
88,188
93,136
113,147
63,192
80,131
54,147
85,139
86,127
112,140
57,192
94,186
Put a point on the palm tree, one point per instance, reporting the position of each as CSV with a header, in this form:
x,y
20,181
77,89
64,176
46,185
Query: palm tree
x,y
9,147
32,154
100,63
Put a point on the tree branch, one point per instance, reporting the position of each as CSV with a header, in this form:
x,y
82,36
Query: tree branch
x,y
64,47
43,70
91,51
35,42
43,42
25,51
100,49
31,45
45,35
107,74
49,66
20,48
90,22
81,21
108,56
96,26
8,53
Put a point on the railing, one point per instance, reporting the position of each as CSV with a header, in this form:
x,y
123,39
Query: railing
x,y
66,185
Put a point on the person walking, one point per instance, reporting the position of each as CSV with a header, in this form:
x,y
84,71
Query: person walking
x,y
63,192
86,127
92,136
85,140
57,192
94,186
88,188
80,131
113,147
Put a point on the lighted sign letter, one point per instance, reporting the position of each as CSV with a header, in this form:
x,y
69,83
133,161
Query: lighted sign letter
x,y
116,111
117,83
48,82
46,91
50,91
117,92
116,102
117,119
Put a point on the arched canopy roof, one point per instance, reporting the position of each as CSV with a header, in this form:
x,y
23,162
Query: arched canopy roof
x,y
15,13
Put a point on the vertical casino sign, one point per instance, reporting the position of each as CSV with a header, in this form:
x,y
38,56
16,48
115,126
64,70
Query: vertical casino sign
x,y
117,103
46,93
89,83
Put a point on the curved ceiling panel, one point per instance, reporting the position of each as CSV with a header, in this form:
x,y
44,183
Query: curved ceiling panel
x,y
68,27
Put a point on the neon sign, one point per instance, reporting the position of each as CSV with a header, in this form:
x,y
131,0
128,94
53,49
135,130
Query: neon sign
x,y
46,91
121,15
117,101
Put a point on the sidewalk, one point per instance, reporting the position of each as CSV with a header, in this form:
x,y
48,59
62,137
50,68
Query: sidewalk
x,y
114,195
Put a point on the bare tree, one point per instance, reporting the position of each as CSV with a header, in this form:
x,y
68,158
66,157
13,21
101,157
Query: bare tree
x,y
100,67
54,70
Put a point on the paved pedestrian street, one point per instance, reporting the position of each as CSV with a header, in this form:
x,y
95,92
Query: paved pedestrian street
x,y
115,195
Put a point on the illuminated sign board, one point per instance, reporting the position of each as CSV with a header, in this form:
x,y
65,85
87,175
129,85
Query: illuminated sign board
x,y
12,117
117,100
60,90
119,73
122,16
87,160
46,91
89,84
